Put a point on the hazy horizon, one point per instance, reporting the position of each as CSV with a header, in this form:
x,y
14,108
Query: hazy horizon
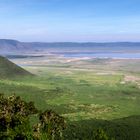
x,y
35,41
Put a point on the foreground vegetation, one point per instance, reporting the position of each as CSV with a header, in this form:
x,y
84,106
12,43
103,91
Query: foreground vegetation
x,y
15,118
15,121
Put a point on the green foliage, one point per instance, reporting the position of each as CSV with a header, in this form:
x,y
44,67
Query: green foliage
x,y
99,134
50,124
15,125
119,129
14,117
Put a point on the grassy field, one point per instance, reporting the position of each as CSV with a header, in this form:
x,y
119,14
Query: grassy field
x,y
88,93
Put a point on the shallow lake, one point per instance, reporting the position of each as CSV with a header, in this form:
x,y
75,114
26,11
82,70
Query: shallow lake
x,y
103,55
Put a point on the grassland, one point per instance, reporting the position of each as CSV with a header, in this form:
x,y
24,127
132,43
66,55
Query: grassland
x,y
88,93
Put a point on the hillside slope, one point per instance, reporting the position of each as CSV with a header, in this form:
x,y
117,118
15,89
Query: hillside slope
x,y
9,69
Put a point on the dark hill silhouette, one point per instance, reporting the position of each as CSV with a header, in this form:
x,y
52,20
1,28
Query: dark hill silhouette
x,y
9,69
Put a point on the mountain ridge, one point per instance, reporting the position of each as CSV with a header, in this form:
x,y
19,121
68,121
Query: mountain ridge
x,y
15,46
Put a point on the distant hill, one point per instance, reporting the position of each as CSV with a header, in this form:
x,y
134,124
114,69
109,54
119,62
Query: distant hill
x,y
11,46
8,46
9,69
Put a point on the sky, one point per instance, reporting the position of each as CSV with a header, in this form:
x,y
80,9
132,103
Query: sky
x,y
70,20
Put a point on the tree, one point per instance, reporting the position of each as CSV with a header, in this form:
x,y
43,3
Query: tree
x,y
50,126
99,134
15,121
14,117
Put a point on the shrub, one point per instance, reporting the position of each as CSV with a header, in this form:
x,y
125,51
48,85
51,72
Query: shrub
x,y
15,121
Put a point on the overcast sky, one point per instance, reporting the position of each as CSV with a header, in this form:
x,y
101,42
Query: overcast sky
x,y
70,20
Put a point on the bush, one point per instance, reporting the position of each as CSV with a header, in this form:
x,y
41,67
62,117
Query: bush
x,y
99,134
50,126
15,124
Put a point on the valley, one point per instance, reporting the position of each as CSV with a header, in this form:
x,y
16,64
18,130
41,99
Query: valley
x,y
82,90
90,93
